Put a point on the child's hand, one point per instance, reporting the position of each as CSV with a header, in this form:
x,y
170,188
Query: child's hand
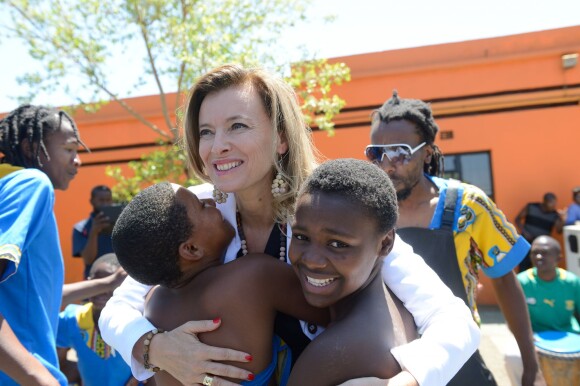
x,y
116,278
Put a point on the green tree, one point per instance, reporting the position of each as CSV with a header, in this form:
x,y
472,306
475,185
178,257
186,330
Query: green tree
x,y
167,43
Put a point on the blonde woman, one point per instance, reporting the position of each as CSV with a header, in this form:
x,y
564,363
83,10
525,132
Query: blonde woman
x,y
245,135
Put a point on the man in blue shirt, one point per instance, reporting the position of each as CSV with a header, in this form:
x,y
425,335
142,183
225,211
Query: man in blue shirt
x,y
92,236
573,212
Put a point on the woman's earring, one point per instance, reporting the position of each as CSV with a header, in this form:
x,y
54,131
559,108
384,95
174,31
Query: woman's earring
x,y
279,186
219,196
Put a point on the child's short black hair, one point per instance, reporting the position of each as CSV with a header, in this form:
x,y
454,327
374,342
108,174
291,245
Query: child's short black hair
x,y
109,259
359,182
147,235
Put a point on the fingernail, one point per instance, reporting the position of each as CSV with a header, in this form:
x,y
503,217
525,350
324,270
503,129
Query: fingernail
x,y
251,377
217,320
249,358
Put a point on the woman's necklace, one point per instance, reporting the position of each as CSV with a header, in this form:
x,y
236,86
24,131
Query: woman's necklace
x,y
282,255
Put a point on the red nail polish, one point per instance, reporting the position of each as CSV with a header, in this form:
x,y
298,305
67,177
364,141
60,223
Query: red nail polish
x,y
249,358
251,377
217,320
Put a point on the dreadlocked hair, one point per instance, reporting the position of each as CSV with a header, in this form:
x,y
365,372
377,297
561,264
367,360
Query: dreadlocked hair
x,y
33,123
419,113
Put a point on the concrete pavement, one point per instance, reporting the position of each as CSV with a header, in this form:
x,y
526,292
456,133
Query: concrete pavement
x,y
495,334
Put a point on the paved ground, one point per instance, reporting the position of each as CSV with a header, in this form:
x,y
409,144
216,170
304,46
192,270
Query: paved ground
x,y
494,335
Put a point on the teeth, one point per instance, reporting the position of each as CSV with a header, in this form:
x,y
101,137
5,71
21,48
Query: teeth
x,y
228,166
319,282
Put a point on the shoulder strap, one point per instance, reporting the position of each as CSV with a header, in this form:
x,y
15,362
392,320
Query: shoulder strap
x,y
448,218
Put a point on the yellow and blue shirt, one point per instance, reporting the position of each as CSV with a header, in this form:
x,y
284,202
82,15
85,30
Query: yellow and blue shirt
x,y
484,239
98,363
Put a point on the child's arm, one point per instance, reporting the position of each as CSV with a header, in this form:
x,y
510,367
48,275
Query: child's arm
x,y
76,292
18,363
283,289
336,356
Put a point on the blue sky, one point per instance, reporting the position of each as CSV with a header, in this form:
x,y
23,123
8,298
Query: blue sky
x,y
364,26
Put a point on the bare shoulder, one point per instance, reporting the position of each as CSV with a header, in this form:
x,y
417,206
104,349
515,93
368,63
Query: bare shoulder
x,y
262,266
258,261
253,275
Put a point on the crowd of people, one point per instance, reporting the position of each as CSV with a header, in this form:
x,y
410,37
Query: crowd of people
x,y
323,261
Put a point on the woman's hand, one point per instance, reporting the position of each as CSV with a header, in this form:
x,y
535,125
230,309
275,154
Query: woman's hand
x,y
404,378
181,354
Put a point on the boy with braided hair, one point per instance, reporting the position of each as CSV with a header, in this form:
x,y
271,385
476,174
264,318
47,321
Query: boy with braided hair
x,y
38,153
454,226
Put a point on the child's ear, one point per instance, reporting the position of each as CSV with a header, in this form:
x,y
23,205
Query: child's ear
x,y
387,243
189,251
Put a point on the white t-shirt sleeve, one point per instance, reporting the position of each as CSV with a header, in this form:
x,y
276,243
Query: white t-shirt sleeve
x,y
449,335
122,322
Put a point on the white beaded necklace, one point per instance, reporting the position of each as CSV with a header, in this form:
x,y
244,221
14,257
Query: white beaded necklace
x,y
282,255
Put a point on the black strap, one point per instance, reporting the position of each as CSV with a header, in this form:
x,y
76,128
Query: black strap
x,y
448,218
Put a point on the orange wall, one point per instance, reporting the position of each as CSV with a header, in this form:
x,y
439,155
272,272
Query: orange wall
x,y
110,127
504,95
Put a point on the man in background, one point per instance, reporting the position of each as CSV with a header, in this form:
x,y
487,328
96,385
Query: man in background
x,y
90,236
573,211
454,226
538,219
552,295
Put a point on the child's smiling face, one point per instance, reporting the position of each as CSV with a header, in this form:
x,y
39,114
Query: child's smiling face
x,y
336,246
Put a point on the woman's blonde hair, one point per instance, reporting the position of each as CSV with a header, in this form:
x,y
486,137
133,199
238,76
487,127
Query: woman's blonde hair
x,y
281,106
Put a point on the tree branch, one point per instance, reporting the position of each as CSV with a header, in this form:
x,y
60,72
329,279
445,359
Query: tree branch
x,y
130,110
154,69
38,33
182,65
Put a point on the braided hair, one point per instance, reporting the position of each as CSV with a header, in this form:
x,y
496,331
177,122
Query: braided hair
x,y
33,123
419,113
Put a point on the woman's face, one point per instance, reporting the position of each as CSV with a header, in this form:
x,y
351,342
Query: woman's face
x,y
236,139
335,247
62,147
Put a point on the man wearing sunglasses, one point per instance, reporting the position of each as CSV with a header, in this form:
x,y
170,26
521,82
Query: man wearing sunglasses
x,y
454,226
